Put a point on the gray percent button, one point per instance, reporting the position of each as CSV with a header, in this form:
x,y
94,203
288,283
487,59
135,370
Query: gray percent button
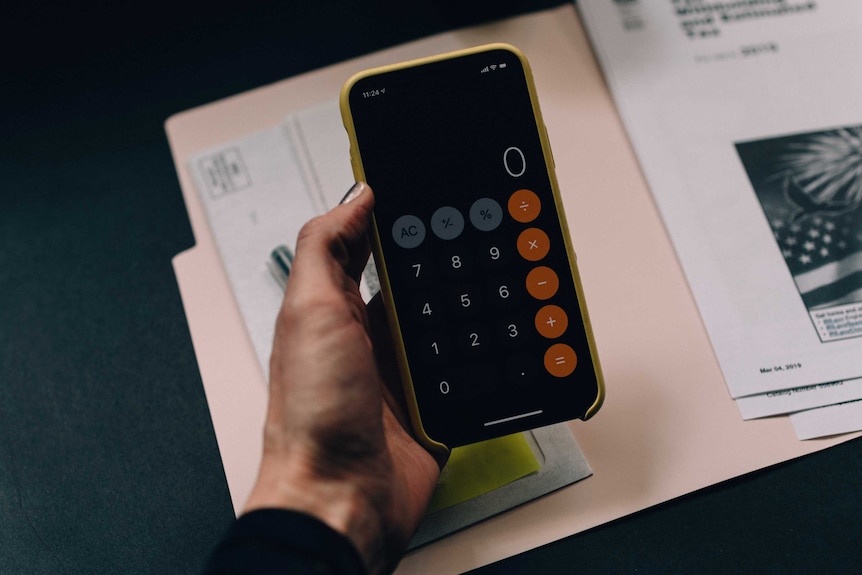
x,y
486,214
447,223
408,231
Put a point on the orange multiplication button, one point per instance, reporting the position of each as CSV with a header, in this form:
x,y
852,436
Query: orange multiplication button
x,y
542,282
533,244
524,206
551,321
560,360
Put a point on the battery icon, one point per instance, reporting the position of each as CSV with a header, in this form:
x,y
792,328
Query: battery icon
x,y
503,65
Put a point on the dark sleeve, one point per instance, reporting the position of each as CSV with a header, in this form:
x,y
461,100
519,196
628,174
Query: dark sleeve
x,y
271,541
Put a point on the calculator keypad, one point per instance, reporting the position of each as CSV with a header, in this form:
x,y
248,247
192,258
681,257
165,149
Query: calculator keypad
x,y
489,305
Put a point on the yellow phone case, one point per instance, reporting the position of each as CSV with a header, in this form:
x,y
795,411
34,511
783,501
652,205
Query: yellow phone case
x,y
359,174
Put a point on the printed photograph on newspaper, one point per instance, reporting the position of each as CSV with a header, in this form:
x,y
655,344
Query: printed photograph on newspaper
x,y
810,188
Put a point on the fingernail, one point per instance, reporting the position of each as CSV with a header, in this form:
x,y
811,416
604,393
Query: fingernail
x,y
353,193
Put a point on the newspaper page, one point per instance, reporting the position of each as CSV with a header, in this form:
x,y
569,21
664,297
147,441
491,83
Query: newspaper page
x,y
747,121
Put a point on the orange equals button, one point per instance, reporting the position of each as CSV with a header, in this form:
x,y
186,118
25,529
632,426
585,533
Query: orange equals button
x,y
560,360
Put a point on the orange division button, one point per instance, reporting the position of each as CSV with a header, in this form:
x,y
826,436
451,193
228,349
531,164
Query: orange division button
x,y
542,282
560,360
524,206
533,244
551,321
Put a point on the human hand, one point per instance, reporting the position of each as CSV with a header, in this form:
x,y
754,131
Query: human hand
x,y
333,446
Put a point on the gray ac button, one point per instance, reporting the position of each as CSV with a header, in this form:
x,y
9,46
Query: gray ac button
x,y
408,231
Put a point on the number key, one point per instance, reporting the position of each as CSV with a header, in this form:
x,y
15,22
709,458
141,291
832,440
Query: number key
x,y
457,384
426,310
456,262
504,291
513,331
474,340
465,300
433,348
494,254
417,271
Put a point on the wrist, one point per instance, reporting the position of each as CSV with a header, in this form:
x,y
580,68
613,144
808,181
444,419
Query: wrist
x,y
342,504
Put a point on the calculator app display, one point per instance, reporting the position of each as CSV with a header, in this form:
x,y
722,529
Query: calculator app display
x,y
472,247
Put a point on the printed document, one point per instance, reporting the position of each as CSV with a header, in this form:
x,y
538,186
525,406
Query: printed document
x,y
747,122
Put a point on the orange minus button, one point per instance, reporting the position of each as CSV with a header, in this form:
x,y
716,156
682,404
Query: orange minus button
x,y
560,360
542,282
533,244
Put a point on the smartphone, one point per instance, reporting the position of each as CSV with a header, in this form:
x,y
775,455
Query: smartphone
x,y
476,265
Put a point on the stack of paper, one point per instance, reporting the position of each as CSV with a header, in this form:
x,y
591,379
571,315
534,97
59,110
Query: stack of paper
x,y
747,122
668,426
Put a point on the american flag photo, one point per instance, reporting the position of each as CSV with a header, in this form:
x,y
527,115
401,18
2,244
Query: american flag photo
x,y
810,188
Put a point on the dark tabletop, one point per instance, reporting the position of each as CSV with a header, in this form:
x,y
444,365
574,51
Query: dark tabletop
x,y
108,461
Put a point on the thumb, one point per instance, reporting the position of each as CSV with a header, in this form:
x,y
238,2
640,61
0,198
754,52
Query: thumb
x,y
355,208
334,244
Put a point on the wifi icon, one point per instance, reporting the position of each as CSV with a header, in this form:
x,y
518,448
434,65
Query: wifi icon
x,y
493,66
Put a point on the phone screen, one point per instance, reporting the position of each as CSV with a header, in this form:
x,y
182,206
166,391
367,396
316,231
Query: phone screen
x,y
473,248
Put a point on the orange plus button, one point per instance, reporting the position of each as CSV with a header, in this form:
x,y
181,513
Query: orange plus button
x,y
542,282
533,244
524,206
551,321
560,360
